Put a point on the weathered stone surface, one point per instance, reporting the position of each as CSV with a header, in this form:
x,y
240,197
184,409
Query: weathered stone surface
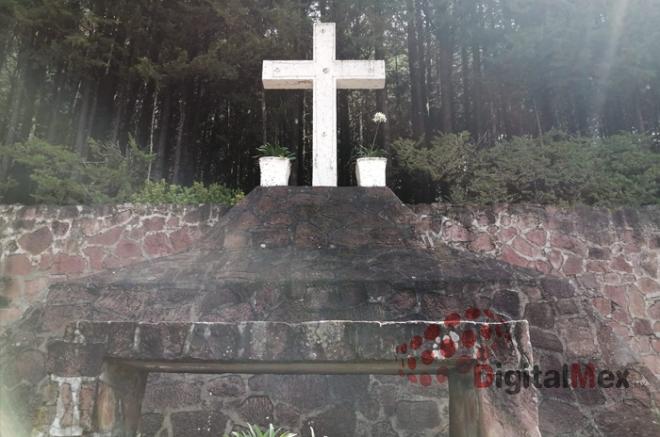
x,y
417,415
642,327
648,285
554,287
628,417
30,366
257,410
107,238
540,314
545,340
337,420
106,410
127,249
74,359
383,429
559,418
60,228
157,244
226,386
17,265
37,241
150,424
508,302
170,393
578,337
197,423
287,416
64,264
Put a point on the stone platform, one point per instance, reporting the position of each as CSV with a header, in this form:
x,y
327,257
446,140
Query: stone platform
x,y
98,371
346,260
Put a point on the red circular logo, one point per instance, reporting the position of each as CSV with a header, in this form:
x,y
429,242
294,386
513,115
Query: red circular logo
x,y
466,339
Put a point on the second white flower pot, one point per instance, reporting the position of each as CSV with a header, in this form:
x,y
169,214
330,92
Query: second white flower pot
x,y
275,171
371,172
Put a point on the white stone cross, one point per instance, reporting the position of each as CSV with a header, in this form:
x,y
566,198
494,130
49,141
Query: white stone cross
x,y
324,75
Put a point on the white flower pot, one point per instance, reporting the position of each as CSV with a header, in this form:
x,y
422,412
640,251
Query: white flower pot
x,y
275,171
370,172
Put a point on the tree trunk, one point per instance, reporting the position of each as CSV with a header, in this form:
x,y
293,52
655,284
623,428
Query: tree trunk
x,y
53,118
176,171
91,120
422,69
152,128
163,135
117,117
146,111
83,115
381,95
465,73
34,84
446,81
127,120
14,109
413,65
641,125
477,97
447,89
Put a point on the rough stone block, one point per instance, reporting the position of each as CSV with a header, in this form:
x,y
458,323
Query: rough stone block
x,y
417,415
64,264
545,340
107,238
17,265
557,288
74,359
540,314
226,386
37,241
198,423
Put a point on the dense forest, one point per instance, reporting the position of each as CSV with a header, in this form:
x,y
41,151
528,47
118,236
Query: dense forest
x,y
529,87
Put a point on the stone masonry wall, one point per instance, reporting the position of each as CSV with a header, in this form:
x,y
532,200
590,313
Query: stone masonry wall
x,y
40,245
611,257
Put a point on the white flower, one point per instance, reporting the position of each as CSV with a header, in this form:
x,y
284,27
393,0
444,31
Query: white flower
x,y
379,118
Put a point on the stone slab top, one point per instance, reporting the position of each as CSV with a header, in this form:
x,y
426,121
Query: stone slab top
x,y
329,347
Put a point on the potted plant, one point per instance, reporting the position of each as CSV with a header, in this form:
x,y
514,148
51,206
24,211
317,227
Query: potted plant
x,y
371,164
275,165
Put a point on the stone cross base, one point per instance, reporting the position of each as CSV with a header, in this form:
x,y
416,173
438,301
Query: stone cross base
x,y
98,371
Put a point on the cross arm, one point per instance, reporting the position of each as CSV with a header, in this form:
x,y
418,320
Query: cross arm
x,y
288,75
360,74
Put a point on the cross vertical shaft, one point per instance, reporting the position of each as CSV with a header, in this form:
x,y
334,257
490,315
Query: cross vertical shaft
x,y
324,153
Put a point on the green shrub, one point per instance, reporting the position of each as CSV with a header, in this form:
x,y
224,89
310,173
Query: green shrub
x,y
445,163
162,192
557,169
57,175
560,169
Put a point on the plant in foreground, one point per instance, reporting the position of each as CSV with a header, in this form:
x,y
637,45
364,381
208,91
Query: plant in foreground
x,y
271,431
